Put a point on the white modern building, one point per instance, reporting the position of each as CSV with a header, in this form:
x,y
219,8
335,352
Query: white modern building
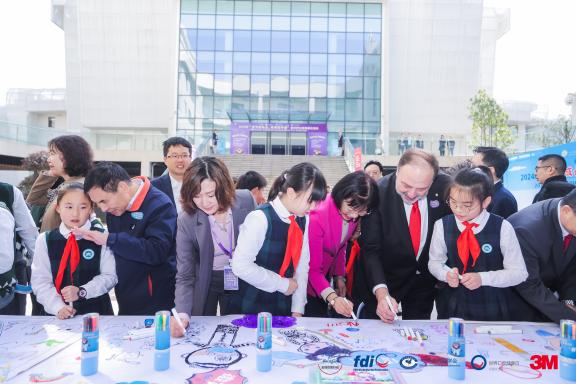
x,y
422,62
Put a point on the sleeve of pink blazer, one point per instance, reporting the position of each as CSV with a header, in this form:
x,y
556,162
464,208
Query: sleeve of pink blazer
x,y
316,238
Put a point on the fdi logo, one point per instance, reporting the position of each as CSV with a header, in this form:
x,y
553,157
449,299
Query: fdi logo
x,y
372,361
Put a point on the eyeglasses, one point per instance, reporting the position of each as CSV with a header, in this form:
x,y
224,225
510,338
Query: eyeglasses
x,y
180,157
350,212
464,207
536,168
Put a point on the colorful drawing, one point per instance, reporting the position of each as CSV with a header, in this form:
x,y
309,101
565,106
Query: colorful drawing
x,y
219,375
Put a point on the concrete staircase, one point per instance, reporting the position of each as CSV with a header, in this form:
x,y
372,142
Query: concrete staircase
x,y
271,166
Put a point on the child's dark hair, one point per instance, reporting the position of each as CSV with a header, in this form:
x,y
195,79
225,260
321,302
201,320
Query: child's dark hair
x,y
72,187
358,189
300,177
478,180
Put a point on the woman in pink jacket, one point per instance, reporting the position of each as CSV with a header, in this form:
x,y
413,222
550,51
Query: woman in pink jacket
x,y
332,224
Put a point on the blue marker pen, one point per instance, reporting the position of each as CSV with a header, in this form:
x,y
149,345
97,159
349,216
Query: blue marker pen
x,y
567,359
162,352
456,349
264,342
90,334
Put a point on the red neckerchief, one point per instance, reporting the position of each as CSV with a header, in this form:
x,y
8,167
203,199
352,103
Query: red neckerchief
x,y
468,244
354,253
293,246
72,253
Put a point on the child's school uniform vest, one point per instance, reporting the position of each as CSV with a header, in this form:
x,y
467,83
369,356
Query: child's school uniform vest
x,y
251,300
485,303
87,269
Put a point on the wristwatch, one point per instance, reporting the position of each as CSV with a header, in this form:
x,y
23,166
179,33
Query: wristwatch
x,y
82,293
568,302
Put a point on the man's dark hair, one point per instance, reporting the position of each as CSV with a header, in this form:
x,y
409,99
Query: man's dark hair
x,y
556,161
76,154
494,157
251,180
376,163
176,140
106,176
570,200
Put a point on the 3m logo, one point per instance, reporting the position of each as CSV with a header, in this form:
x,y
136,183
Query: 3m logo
x,y
544,361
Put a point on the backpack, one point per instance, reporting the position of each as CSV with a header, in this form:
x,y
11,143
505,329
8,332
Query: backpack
x,y
8,241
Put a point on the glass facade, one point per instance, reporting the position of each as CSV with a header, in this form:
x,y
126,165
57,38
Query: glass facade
x,y
274,61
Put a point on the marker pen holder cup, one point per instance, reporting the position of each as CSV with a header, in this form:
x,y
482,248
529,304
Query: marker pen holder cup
x,y
567,358
456,349
90,335
162,345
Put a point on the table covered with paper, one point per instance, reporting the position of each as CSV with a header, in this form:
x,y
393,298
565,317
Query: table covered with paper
x,y
307,350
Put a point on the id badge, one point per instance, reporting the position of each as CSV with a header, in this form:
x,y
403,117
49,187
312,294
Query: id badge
x,y
230,279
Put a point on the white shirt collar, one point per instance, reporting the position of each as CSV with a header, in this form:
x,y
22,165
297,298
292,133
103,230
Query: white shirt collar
x,y
564,231
280,209
140,186
422,203
174,181
66,232
481,220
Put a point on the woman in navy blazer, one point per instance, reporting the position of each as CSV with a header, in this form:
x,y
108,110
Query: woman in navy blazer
x,y
332,224
212,209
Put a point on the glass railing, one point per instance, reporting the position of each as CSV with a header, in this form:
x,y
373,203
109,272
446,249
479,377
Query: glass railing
x,y
349,154
110,141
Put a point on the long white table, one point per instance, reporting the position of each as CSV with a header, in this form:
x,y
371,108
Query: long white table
x,y
44,349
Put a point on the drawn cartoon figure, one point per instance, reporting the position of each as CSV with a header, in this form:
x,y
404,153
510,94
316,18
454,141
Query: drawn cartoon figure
x,y
219,352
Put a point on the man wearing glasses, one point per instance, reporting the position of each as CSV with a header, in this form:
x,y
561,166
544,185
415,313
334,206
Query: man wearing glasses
x,y
177,157
550,173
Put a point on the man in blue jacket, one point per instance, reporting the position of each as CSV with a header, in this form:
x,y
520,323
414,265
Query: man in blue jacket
x,y
141,232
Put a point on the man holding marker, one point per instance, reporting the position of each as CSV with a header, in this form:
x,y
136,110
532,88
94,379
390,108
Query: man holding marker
x,y
396,238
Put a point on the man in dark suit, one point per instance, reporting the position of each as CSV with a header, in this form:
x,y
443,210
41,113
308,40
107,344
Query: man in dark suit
x,y
141,234
177,157
396,237
503,202
550,173
545,231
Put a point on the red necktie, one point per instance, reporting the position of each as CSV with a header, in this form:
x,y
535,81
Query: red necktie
x,y
293,246
567,240
414,227
354,252
72,253
467,244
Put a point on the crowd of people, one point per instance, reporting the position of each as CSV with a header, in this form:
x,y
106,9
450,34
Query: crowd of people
x,y
373,244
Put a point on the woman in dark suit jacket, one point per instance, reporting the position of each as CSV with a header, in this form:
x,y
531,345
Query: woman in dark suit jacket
x,y
207,232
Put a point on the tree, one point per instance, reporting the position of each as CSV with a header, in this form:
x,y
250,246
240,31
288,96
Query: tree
x,y
558,131
489,122
35,162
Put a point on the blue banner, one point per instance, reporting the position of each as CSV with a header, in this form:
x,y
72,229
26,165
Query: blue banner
x,y
520,178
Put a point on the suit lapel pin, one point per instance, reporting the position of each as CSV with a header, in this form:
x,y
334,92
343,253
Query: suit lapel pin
x,y
434,203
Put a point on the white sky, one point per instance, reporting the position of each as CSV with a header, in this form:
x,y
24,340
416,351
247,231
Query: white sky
x,y
31,46
535,60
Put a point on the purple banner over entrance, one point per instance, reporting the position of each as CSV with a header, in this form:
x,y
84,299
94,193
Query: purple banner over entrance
x,y
316,134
